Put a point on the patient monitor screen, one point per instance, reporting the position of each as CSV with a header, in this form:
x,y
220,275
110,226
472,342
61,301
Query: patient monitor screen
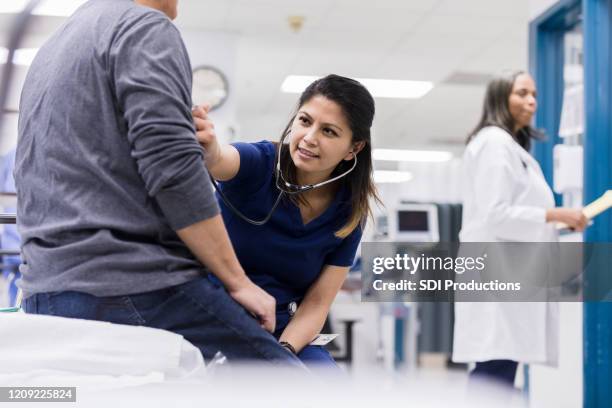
x,y
413,221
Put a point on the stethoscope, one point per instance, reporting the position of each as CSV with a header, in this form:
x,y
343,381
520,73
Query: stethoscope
x,y
282,185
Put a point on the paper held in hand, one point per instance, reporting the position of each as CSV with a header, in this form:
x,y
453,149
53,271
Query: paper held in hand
x,y
323,339
595,208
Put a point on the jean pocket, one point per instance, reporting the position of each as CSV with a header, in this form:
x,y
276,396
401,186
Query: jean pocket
x,y
116,309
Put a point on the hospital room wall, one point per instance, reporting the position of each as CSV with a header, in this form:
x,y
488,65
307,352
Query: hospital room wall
x,y
217,49
432,182
8,133
537,7
204,48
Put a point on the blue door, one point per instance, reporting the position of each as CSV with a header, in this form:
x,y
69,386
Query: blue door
x,y
548,34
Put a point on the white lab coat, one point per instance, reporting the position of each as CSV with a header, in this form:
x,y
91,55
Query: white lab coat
x,y
505,198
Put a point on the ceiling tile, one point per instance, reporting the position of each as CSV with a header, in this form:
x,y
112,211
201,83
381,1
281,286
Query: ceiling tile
x,y
485,8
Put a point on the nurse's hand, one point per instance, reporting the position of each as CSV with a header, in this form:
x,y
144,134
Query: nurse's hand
x,y
205,133
257,302
572,217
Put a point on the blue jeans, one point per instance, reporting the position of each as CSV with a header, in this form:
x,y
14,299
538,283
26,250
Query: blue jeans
x,y
317,357
312,356
203,313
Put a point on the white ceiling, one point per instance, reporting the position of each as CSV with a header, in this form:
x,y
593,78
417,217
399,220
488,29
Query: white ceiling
x,y
396,39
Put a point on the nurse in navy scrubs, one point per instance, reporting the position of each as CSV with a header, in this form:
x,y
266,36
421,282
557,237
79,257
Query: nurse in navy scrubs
x,y
302,254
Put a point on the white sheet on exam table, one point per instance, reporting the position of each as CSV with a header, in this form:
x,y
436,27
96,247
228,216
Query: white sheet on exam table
x,y
48,347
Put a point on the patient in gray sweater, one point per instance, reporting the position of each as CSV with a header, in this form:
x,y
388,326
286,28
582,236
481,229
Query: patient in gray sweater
x,y
115,207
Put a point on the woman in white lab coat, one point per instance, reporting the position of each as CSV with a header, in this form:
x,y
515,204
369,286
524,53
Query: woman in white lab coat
x,y
506,198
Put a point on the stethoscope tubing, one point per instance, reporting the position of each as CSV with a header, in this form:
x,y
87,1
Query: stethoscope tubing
x,y
296,189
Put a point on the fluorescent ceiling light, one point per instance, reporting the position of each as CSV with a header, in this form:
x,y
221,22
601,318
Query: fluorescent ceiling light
x,y
296,83
379,88
387,176
14,6
411,155
58,8
22,56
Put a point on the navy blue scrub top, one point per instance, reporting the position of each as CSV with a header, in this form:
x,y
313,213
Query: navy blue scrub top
x,y
283,256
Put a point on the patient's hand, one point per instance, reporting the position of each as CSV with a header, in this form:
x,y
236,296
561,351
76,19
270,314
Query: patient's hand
x,y
205,133
256,301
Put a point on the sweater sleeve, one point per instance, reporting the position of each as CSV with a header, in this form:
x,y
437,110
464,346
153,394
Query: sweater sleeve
x,y
151,77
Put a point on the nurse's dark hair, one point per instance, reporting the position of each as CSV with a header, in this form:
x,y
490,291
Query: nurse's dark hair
x,y
358,107
496,111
